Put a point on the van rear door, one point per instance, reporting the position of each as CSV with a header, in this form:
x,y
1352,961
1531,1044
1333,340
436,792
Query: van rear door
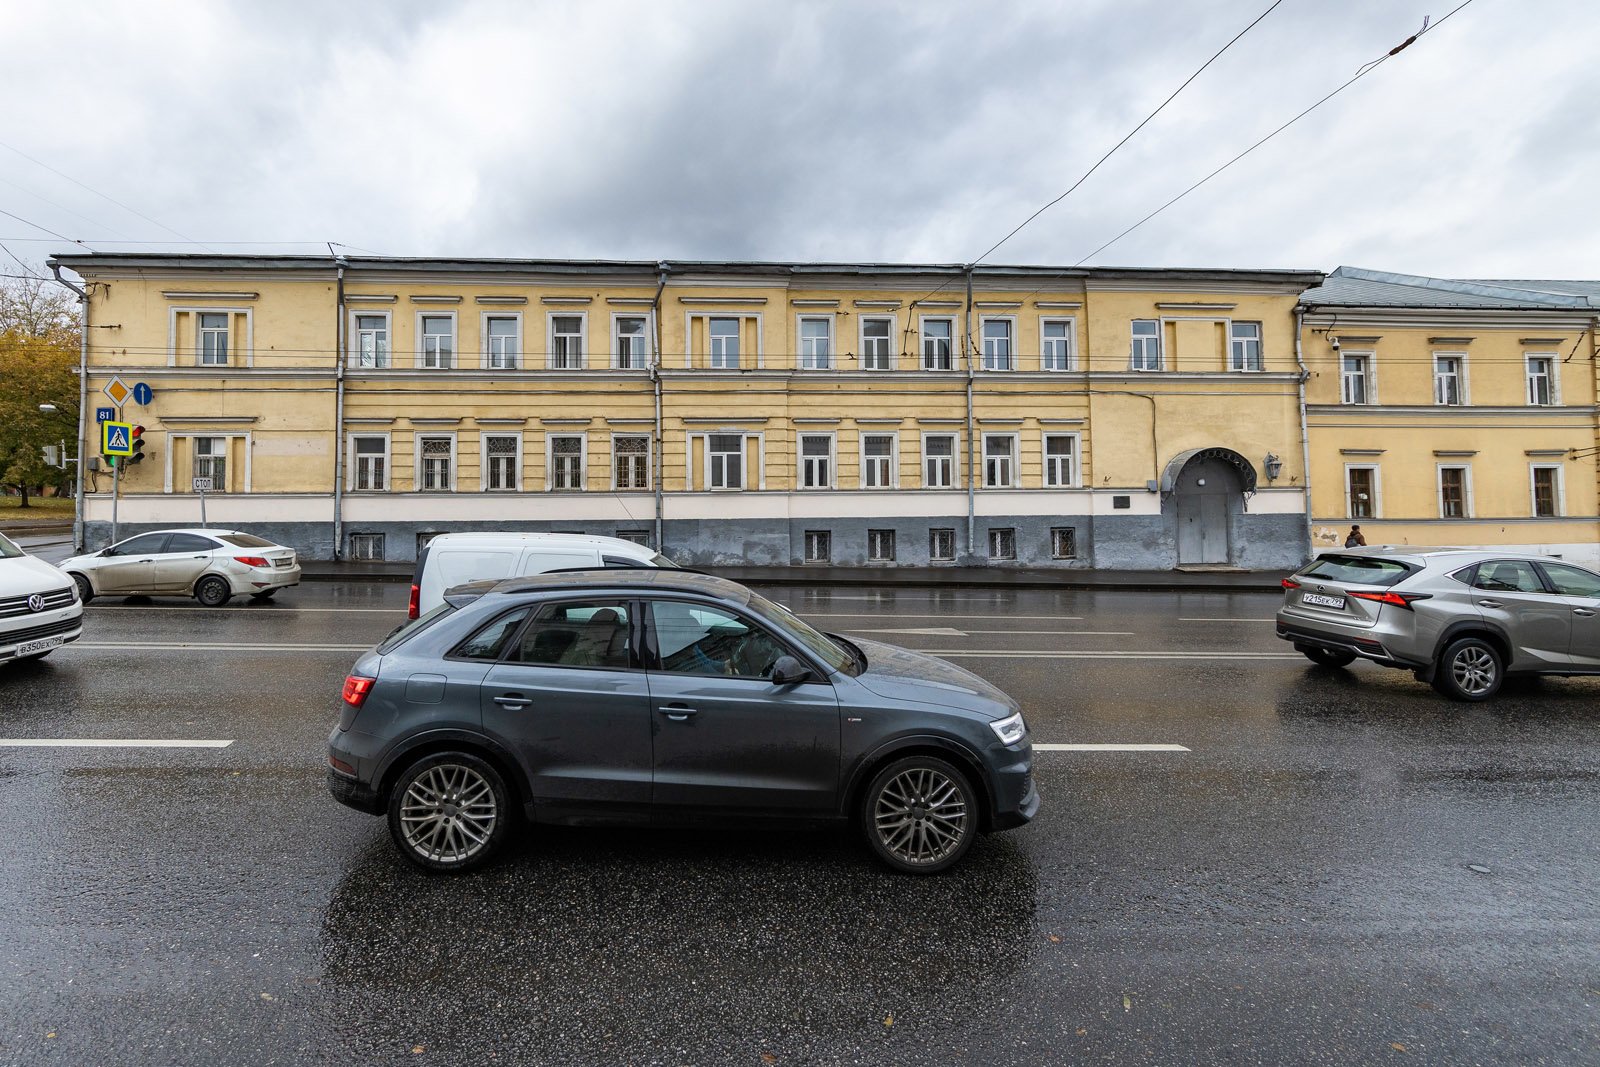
x,y
538,560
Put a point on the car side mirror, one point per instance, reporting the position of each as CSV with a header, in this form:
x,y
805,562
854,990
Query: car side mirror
x,y
107,552
789,671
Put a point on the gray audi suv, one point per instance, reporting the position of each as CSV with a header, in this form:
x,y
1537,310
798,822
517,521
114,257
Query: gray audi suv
x,y
1461,620
662,697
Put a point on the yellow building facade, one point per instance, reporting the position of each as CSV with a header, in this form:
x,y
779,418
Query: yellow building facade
x,y
730,413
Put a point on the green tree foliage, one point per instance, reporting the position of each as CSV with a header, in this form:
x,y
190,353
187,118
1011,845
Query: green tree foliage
x,y
38,365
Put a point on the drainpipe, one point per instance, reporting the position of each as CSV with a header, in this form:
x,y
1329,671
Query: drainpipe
x,y
655,379
1305,438
338,412
972,471
83,400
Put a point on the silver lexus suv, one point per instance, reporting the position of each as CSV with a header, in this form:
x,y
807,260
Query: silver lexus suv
x,y
1461,620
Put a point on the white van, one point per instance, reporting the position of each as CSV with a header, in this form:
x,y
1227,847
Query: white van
x,y
453,558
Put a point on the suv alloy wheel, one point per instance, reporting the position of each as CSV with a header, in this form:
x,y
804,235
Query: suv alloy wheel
x,y
919,814
1469,669
449,812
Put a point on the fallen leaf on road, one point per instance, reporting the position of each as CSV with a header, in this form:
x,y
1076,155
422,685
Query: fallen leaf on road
x,y
51,1034
767,1057
417,1050
1127,1003
888,1020
1054,938
1082,1032
1397,1046
267,996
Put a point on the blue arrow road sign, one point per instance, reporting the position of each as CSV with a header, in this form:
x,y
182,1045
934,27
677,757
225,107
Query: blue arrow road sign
x,y
104,414
142,393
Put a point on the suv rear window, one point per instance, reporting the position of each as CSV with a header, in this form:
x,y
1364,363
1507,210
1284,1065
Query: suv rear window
x,y
244,540
1357,570
411,628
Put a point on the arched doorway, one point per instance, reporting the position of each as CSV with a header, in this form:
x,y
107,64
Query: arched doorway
x,y
1206,488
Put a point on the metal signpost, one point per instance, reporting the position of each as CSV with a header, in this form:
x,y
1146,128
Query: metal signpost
x,y
202,486
119,392
116,439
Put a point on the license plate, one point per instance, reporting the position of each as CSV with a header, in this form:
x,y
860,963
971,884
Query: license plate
x,y
1321,601
283,562
39,646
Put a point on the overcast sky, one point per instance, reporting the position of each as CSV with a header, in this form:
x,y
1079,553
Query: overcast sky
x,y
810,130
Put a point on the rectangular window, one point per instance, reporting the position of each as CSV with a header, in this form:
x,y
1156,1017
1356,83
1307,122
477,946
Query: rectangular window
x,y
1355,380
999,460
1060,460
213,330
371,462
630,462
372,341
816,461
438,341
1546,492
938,336
1146,345
566,342
1002,543
939,461
1244,346
1063,542
502,462
1447,380
638,537
877,338
819,546
877,461
1454,493
502,341
566,462
941,545
1055,340
366,547
726,464
211,461
1541,381
436,463
997,348
816,343
632,342
724,334
1361,492
880,546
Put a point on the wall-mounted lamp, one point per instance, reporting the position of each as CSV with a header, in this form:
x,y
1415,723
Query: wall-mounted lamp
x,y
1274,467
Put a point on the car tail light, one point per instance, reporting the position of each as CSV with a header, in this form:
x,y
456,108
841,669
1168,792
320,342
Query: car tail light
x,y
1399,600
356,688
251,561
1290,583
415,602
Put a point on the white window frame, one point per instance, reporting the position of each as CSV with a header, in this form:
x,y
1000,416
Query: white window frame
x,y
353,356
486,347
172,448
195,459
1560,489
711,348
455,461
1051,462
649,462
922,343
988,362
483,462
1369,376
200,334
1555,377
983,455
1375,505
1466,489
894,546
821,537
1134,347
616,338
1012,530
352,472
550,339
422,339
1071,345
889,356
894,459
1238,346
951,558
1463,398
832,459
242,355
809,358
954,457
550,461
744,462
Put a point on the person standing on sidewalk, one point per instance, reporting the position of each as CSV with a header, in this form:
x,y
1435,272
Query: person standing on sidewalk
x,y
1355,538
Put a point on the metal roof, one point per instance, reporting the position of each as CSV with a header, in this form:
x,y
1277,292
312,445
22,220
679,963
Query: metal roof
x,y
1359,287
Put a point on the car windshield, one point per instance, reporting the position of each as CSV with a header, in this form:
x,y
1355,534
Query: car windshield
x,y
818,643
245,541
411,628
1357,570
8,549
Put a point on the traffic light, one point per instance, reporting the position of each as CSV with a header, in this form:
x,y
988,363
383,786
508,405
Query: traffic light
x,y
137,445
52,456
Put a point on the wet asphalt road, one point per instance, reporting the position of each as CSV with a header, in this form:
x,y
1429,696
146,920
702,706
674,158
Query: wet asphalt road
x,y
1344,868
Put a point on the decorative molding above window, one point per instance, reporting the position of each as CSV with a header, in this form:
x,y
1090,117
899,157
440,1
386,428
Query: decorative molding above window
x,y
1194,306
434,422
814,303
938,303
1455,451
1062,422
999,422
567,422
815,422
185,294
724,420
878,305
1542,340
481,421
375,421
996,305
1449,340
1362,451
566,300
1546,451
879,422
1061,305
370,298
715,300
941,422
178,421
631,301
440,299
499,301
1348,339
630,422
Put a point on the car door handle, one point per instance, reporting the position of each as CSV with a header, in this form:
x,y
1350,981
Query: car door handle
x,y
1488,603
1585,612
514,701
678,712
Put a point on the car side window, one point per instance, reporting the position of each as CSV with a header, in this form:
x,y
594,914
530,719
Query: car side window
x,y
585,633
189,543
696,639
1572,581
143,545
1508,576
490,640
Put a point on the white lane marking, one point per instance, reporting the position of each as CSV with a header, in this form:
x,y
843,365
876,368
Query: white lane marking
x,y
1219,655
243,612
176,646
1227,620
1109,748
923,631
108,742
946,631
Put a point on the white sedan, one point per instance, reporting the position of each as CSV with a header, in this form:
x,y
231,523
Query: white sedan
x,y
39,609
210,565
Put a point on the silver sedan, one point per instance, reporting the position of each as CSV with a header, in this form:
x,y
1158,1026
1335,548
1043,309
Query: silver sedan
x,y
210,565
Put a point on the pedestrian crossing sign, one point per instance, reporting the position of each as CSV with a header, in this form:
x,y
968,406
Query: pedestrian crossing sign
x,y
116,438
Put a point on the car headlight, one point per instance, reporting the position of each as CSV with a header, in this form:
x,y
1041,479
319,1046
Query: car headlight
x,y
1009,730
